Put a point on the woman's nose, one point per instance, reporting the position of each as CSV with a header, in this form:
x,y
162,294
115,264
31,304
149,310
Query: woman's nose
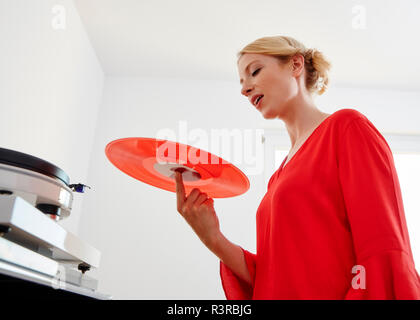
x,y
246,89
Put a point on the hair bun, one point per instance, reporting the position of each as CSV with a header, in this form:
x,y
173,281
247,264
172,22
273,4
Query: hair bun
x,y
310,54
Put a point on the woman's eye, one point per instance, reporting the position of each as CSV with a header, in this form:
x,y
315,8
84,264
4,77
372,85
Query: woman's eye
x,y
256,72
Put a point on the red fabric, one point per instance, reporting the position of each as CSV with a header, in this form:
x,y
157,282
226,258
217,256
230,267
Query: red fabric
x,y
234,287
336,205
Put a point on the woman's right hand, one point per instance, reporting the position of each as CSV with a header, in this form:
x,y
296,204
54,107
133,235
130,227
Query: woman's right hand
x,y
198,211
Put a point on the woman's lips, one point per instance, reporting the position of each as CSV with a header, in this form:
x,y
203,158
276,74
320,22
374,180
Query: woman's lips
x,y
258,106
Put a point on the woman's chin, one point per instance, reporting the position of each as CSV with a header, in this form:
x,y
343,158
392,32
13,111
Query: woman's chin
x,y
266,114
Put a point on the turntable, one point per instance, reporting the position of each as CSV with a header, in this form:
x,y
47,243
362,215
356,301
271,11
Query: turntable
x,y
34,196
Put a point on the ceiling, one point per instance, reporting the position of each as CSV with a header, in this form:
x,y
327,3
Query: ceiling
x,y
199,39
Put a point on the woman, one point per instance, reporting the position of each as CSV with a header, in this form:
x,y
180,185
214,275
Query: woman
x,y
331,224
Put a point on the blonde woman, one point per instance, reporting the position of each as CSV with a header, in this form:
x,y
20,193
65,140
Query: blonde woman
x,y
331,224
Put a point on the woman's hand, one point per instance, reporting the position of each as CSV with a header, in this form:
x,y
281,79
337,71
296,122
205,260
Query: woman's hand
x,y
198,211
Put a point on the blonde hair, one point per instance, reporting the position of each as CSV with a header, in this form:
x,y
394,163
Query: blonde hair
x,y
284,48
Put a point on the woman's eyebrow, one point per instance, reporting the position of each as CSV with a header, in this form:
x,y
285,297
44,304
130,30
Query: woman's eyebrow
x,y
246,69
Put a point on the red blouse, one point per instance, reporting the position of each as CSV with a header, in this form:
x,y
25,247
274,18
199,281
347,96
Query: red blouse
x,y
331,220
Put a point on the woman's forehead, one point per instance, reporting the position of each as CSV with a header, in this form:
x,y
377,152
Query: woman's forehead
x,y
247,57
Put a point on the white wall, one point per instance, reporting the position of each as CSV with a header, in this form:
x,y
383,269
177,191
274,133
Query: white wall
x,y
50,88
148,250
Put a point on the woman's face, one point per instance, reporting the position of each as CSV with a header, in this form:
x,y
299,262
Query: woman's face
x,y
265,75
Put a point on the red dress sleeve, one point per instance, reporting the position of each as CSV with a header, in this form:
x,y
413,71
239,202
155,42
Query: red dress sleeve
x,y
234,287
375,212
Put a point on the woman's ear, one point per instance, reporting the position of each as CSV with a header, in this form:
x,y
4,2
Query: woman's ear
x,y
297,64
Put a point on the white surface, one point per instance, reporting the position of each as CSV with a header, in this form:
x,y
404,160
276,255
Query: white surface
x,y
199,39
13,253
50,88
29,225
15,271
408,168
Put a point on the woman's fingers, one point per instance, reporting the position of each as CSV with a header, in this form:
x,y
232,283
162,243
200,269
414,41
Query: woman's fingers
x,y
180,190
197,209
209,201
192,197
201,198
195,198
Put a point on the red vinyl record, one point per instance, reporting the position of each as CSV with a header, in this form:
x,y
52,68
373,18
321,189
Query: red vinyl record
x,y
154,161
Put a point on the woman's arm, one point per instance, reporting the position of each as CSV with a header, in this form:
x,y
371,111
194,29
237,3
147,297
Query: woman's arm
x,y
198,211
375,212
231,255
